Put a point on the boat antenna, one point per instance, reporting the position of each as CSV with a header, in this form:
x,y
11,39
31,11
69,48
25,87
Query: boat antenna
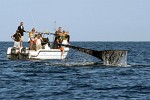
x,y
34,24
54,30
54,25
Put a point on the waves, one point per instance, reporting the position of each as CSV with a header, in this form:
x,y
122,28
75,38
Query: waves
x,y
80,76
64,63
55,79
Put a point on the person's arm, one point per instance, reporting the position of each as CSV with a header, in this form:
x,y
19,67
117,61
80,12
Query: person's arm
x,y
13,37
35,40
41,39
24,30
19,28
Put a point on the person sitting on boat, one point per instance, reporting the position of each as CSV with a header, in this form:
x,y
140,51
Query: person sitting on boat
x,y
31,38
38,41
17,39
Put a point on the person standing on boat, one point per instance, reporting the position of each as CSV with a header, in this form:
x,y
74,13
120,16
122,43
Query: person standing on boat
x,y
57,36
59,31
17,38
21,31
32,36
65,37
63,40
38,41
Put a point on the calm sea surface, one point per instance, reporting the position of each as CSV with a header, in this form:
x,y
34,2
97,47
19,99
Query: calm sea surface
x,y
79,76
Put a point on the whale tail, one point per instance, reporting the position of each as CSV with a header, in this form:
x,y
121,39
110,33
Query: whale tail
x,y
109,57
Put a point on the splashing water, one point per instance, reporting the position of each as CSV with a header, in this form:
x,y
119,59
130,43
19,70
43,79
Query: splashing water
x,y
115,57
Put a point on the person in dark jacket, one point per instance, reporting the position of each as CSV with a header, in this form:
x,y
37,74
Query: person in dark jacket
x,y
57,38
21,31
17,39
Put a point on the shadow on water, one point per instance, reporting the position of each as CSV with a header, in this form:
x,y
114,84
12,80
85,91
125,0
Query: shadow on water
x,y
63,63
60,63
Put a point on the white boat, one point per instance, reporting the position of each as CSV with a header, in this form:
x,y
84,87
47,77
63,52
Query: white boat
x,y
45,53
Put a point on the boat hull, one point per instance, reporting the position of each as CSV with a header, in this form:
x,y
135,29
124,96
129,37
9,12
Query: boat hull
x,y
40,54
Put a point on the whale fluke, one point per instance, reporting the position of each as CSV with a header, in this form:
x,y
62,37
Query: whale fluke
x,y
109,57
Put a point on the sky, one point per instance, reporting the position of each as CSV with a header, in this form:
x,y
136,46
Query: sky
x,y
86,20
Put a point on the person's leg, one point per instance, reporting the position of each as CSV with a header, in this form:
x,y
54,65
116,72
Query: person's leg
x,y
31,45
21,43
37,47
17,44
40,46
62,52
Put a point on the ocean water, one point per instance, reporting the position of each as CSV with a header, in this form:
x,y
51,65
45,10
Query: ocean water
x,y
79,76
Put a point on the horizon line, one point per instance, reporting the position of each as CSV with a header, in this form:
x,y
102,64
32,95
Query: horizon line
x,y
96,41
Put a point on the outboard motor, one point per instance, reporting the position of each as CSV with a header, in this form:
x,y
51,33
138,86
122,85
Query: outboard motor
x,y
25,51
15,51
